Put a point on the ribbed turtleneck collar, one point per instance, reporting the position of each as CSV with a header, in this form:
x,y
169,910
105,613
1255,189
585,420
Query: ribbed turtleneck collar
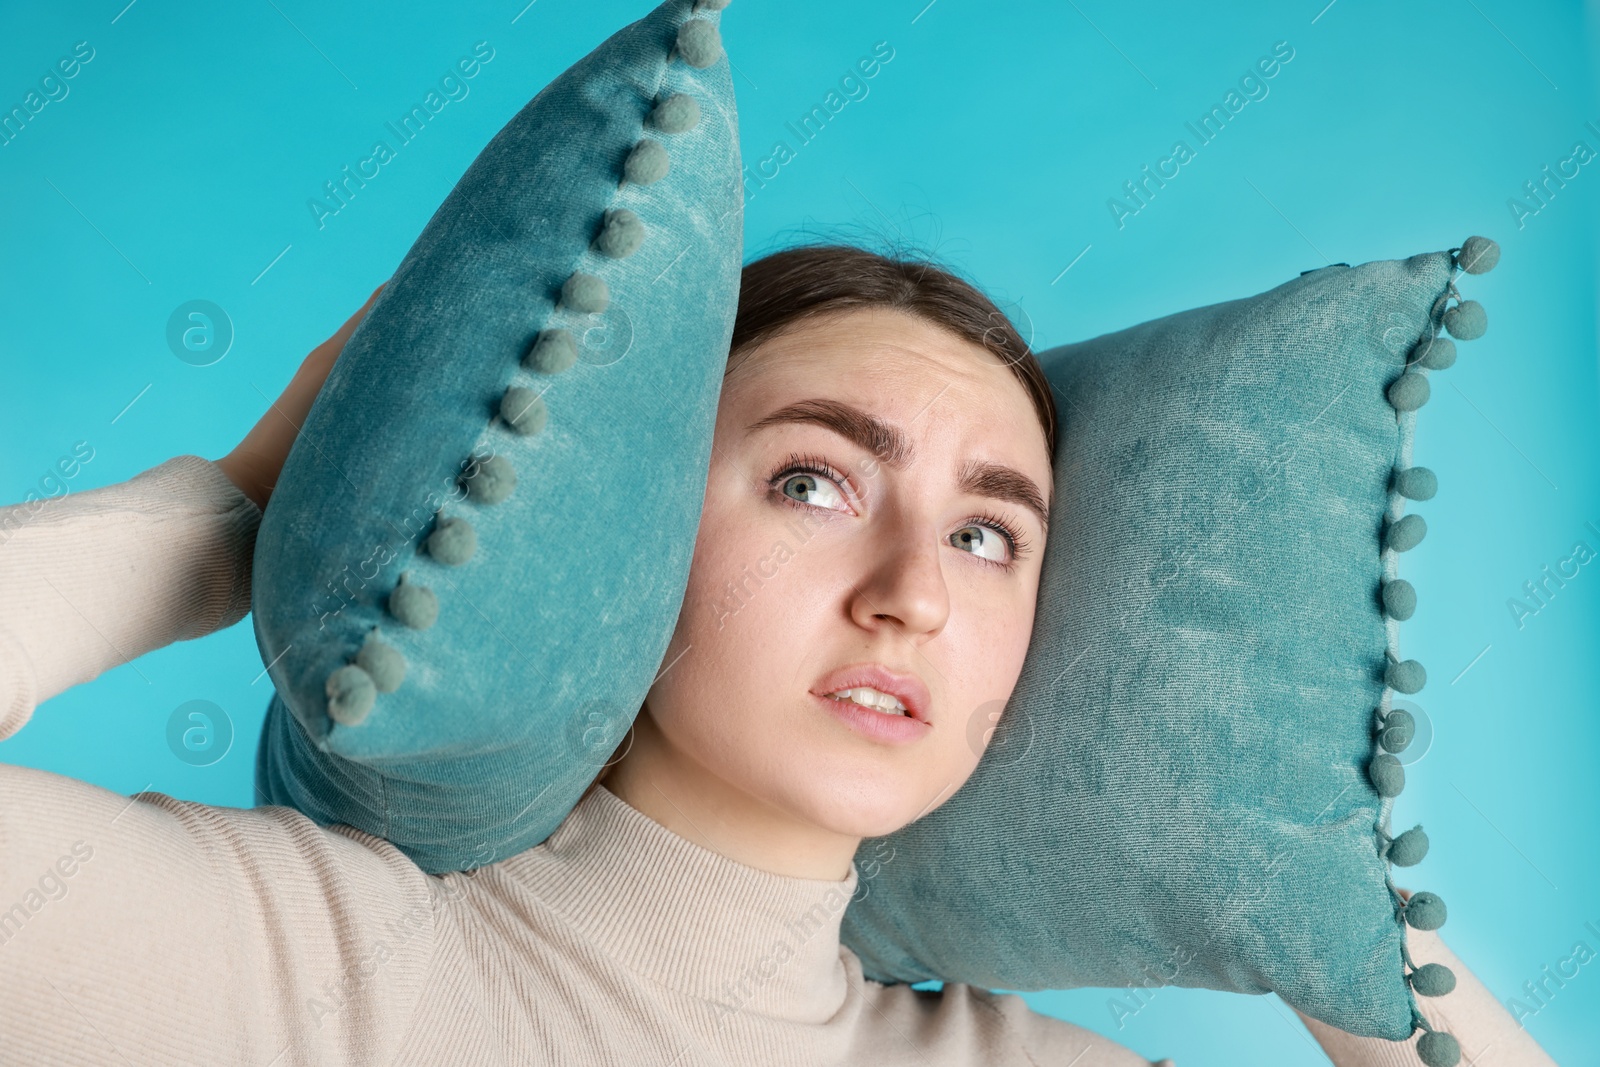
x,y
690,918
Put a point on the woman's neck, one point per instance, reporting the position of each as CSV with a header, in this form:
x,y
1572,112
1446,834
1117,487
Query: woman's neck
x,y
674,790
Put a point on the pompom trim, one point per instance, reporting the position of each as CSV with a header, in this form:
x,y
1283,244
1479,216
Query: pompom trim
x,y
522,410
1393,729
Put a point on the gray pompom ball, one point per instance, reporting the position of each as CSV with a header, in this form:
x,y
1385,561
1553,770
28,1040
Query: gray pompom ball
x,y
554,351
620,234
1388,775
1409,848
491,480
1438,1049
1409,391
414,605
523,410
1405,534
585,292
1399,599
351,694
1416,483
383,662
1435,353
1467,321
678,113
1425,911
1478,255
646,162
699,43
1407,677
453,541
1433,980
1398,729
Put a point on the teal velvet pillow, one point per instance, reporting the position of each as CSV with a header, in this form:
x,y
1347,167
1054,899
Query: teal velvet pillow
x,y
1192,781
473,560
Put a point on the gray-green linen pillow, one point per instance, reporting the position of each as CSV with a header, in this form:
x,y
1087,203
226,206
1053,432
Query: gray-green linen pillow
x,y
1192,781
476,552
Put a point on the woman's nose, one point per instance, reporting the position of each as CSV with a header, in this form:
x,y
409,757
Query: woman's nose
x,y
903,587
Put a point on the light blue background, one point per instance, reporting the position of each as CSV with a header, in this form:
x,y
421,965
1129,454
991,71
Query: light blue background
x,y
180,163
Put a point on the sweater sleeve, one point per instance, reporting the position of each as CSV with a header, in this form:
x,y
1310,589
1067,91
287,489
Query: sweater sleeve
x,y
1488,1035
94,579
148,930
1046,1039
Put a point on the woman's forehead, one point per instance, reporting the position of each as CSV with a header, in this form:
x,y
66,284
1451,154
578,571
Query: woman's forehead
x,y
896,367
876,353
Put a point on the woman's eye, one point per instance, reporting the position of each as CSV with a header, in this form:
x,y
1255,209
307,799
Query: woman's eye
x,y
981,541
812,489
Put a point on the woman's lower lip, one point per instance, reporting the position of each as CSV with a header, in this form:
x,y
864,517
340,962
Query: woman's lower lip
x,y
878,725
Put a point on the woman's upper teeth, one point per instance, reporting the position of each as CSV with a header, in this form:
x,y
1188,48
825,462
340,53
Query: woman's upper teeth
x,y
872,698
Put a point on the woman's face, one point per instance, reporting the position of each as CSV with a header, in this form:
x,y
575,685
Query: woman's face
x,y
882,558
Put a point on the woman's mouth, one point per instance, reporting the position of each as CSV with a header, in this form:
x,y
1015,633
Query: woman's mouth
x,y
886,726
869,697
874,686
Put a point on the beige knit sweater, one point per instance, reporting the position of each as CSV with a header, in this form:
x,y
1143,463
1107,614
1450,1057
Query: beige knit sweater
x,y
148,930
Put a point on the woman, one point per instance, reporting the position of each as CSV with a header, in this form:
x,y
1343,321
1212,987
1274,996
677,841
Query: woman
x,y
864,578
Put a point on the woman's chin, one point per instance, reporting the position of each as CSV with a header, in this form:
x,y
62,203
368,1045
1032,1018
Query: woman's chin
x,y
860,809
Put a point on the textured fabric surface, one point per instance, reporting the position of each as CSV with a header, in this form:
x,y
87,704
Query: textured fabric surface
x,y
548,635
1177,792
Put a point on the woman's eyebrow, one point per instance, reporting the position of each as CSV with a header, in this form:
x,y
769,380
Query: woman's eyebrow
x,y
883,439
999,482
893,448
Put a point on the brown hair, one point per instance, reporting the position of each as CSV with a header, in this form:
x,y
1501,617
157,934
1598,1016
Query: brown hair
x,y
786,287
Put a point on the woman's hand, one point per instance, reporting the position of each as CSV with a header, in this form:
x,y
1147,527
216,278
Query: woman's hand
x,y
255,462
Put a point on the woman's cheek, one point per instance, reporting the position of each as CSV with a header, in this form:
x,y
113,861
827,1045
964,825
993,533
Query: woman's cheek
x,y
981,652
721,588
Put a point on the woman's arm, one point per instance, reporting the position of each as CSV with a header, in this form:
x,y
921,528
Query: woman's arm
x,y
94,579
152,930
1488,1035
